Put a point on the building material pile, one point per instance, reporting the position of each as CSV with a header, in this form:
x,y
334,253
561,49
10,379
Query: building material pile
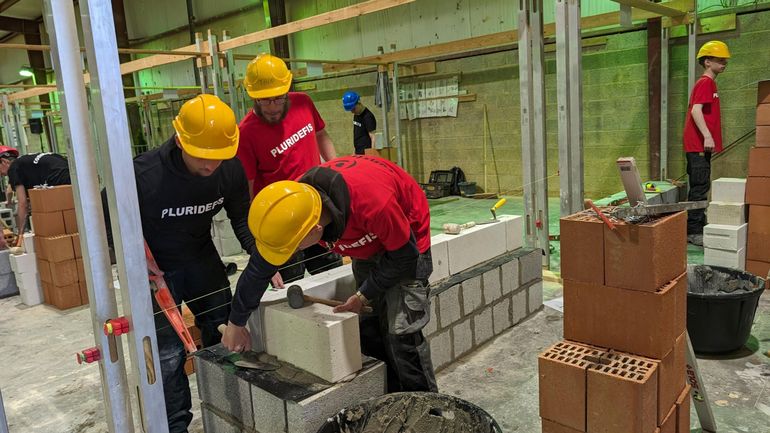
x,y
758,189
724,237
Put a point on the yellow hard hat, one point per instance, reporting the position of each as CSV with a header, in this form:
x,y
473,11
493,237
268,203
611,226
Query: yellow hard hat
x,y
714,49
267,77
206,128
280,217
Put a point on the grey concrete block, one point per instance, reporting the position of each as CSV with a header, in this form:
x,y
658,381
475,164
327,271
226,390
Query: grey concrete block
x,y
531,266
269,411
509,276
501,316
462,337
449,306
213,422
224,391
535,296
8,285
441,349
492,288
471,291
308,415
483,329
5,262
519,306
432,325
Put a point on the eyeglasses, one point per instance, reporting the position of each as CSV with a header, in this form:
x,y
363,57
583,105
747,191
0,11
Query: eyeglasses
x,y
267,101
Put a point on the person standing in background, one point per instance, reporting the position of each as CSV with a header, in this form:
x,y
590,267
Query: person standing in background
x,y
364,122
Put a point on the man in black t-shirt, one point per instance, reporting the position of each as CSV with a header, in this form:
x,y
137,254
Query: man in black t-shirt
x,y
364,122
27,172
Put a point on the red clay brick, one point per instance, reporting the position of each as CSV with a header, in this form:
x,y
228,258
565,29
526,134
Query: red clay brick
x,y
759,219
554,427
683,411
758,191
582,247
671,377
757,249
760,269
622,395
763,92
646,256
668,425
562,379
642,323
65,297
759,162
763,114
762,137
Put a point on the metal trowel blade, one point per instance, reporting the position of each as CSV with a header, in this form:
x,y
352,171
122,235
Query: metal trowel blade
x,y
251,361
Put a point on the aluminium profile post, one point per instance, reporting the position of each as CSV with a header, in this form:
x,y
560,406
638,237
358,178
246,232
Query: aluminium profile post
x,y
115,143
7,133
383,89
20,132
397,115
216,71
664,77
576,104
59,17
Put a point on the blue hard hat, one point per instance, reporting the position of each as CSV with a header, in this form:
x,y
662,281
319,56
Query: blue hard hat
x,y
349,100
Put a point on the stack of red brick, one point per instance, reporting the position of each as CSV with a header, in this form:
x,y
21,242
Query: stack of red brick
x,y
621,367
57,245
758,189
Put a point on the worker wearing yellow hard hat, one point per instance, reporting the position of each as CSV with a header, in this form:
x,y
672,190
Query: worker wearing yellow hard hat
x,y
371,210
181,186
703,132
282,137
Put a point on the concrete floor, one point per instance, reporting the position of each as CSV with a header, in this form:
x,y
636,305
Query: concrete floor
x,y
45,390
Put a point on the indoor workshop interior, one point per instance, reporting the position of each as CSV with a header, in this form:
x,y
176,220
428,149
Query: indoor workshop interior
x,y
382,216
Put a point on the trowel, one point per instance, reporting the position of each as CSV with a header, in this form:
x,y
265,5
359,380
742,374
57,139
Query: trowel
x,y
250,359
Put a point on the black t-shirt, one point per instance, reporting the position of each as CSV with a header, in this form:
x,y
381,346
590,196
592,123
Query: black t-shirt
x,y
39,169
363,124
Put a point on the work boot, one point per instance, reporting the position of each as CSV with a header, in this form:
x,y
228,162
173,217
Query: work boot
x,y
696,239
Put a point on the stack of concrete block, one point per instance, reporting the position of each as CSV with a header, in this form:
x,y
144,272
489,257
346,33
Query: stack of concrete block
x,y
8,285
57,247
758,189
724,238
223,236
25,271
623,358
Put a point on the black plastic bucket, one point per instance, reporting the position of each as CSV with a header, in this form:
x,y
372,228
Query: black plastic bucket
x,y
412,412
721,303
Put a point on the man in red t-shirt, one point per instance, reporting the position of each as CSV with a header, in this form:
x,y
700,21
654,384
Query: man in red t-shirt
x,y
703,133
371,210
282,137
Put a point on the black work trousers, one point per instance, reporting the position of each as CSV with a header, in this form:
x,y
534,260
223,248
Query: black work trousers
x,y
406,356
314,259
699,175
204,287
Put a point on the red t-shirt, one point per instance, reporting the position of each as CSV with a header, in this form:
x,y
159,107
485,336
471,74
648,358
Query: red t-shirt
x,y
286,150
386,205
704,92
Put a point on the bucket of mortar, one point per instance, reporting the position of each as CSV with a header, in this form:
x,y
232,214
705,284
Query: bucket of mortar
x,y
412,412
721,303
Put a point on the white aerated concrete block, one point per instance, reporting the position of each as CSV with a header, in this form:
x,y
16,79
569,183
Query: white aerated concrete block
x,y
441,349
519,306
337,283
471,291
514,231
535,296
724,237
476,245
29,288
727,259
483,327
501,316
731,214
314,339
462,337
509,276
728,189
29,242
24,263
449,310
439,251
493,290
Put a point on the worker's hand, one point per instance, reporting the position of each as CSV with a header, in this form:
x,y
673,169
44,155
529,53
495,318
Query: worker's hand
x,y
277,281
353,304
708,144
236,338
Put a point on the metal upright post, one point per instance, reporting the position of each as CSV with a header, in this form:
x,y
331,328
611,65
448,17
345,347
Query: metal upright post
x,y
384,99
54,144
397,115
576,104
59,16
115,141
204,78
8,128
232,87
216,72
692,49
525,92
20,132
664,64
3,419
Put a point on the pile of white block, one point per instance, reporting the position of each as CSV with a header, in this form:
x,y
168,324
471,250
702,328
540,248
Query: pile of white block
x,y
24,268
223,236
724,238
483,283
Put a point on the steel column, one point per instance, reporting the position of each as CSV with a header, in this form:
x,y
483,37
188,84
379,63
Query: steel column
x,y
216,72
384,98
9,135
576,104
397,115
110,105
199,64
692,50
20,132
664,63
59,16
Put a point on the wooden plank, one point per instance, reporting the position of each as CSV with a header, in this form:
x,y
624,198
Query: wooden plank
x,y
655,8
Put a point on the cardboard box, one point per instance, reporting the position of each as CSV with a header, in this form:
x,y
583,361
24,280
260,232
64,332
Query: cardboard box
x,y
70,221
759,219
554,427
76,245
54,248
763,92
622,394
757,247
645,256
758,191
633,321
683,410
562,382
65,297
762,137
759,162
582,248
57,198
48,223
763,114
758,268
